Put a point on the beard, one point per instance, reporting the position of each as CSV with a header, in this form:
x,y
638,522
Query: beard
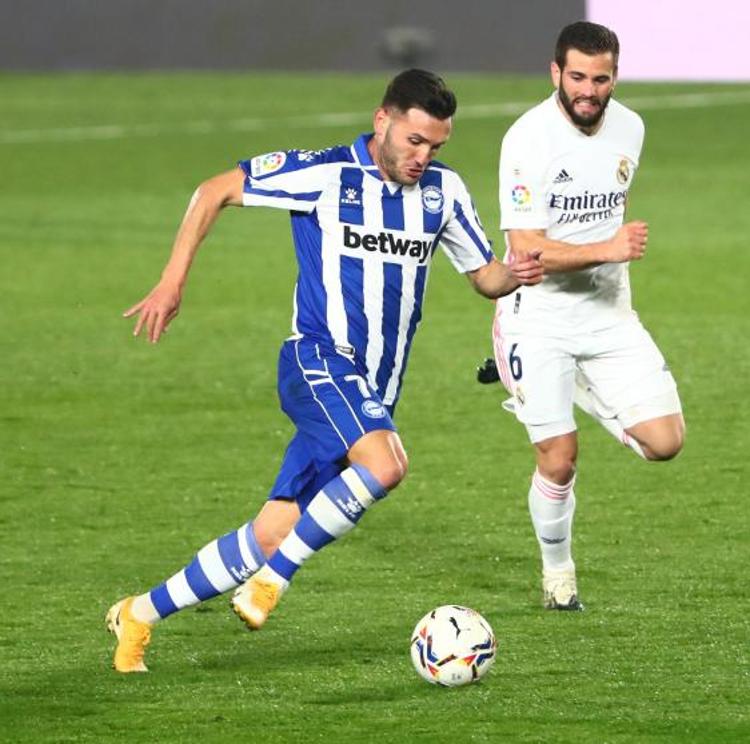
x,y
579,120
390,161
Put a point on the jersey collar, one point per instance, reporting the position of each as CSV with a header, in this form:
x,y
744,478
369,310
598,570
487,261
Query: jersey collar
x,y
361,153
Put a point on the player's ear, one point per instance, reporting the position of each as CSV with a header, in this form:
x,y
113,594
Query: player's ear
x,y
555,73
381,121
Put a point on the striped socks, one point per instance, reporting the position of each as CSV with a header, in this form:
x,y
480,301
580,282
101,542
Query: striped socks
x,y
551,507
223,564
334,511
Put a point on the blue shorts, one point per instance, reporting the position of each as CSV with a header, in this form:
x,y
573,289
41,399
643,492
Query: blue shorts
x,y
332,405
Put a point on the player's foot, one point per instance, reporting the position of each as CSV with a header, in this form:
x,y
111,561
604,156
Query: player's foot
x,y
487,372
132,637
560,591
254,600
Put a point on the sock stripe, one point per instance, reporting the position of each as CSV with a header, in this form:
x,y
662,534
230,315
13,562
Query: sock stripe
x,y
370,482
198,582
162,601
214,567
297,550
551,490
249,544
180,591
312,534
343,499
328,516
279,563
357,488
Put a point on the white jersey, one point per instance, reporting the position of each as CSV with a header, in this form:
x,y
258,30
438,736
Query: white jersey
x,y
574,186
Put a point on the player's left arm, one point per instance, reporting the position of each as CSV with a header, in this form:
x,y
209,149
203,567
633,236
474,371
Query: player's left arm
x,y
496,279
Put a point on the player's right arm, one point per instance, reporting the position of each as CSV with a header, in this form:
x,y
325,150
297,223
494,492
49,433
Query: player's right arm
x,y
524,160
628,244
162,304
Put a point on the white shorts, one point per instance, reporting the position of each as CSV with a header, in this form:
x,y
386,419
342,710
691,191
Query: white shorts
x,y
621,366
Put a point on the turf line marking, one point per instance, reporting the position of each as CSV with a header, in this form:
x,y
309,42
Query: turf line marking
x,y
470,111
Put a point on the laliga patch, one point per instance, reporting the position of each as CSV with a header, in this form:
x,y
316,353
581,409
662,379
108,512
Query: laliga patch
x,y
520,195
432,199
373,409
262,165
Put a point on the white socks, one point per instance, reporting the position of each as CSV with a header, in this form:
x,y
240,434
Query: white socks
x,y
551,507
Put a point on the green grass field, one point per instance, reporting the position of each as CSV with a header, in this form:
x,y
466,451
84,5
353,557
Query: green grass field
x,y
120,459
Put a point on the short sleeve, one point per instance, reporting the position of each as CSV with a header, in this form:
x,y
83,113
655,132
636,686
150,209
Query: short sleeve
x,y
522,189
463,238
290,180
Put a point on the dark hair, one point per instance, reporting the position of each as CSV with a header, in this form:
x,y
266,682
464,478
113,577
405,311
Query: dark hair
x,y
420,89
586,37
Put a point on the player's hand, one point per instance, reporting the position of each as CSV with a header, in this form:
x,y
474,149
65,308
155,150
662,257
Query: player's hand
x,y
629,243
156,311
528,269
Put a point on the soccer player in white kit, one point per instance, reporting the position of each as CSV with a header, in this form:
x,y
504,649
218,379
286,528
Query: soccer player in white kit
x,y
566,167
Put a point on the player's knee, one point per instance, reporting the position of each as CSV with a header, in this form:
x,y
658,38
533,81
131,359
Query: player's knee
x,y
560,471
556,459
558,467
667,442
389,472
666,448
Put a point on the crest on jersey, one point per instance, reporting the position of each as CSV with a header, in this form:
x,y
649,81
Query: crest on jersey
x,y
307,156
373,409
351,195
432,199
262,165
623,171
520,195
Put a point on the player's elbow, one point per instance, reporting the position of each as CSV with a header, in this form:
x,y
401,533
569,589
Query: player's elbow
x,y
493,280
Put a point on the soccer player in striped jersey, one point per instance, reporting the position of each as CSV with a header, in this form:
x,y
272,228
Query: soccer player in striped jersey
x,y
366,220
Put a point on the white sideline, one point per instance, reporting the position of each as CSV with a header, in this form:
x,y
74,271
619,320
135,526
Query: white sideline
x,y
475,111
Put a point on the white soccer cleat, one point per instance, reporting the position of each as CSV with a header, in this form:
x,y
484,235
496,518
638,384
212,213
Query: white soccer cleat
x,y
560,590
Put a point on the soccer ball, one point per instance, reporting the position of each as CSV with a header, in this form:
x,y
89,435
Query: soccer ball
x,y
453,646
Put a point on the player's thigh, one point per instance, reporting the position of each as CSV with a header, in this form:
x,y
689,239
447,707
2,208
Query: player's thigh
x,y
332,406
540,373
628,375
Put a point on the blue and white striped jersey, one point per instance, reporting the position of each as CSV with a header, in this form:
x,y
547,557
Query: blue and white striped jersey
x,y
364,248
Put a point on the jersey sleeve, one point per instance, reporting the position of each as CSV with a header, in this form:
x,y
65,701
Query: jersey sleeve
x,y
291,179
463,238
522,191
